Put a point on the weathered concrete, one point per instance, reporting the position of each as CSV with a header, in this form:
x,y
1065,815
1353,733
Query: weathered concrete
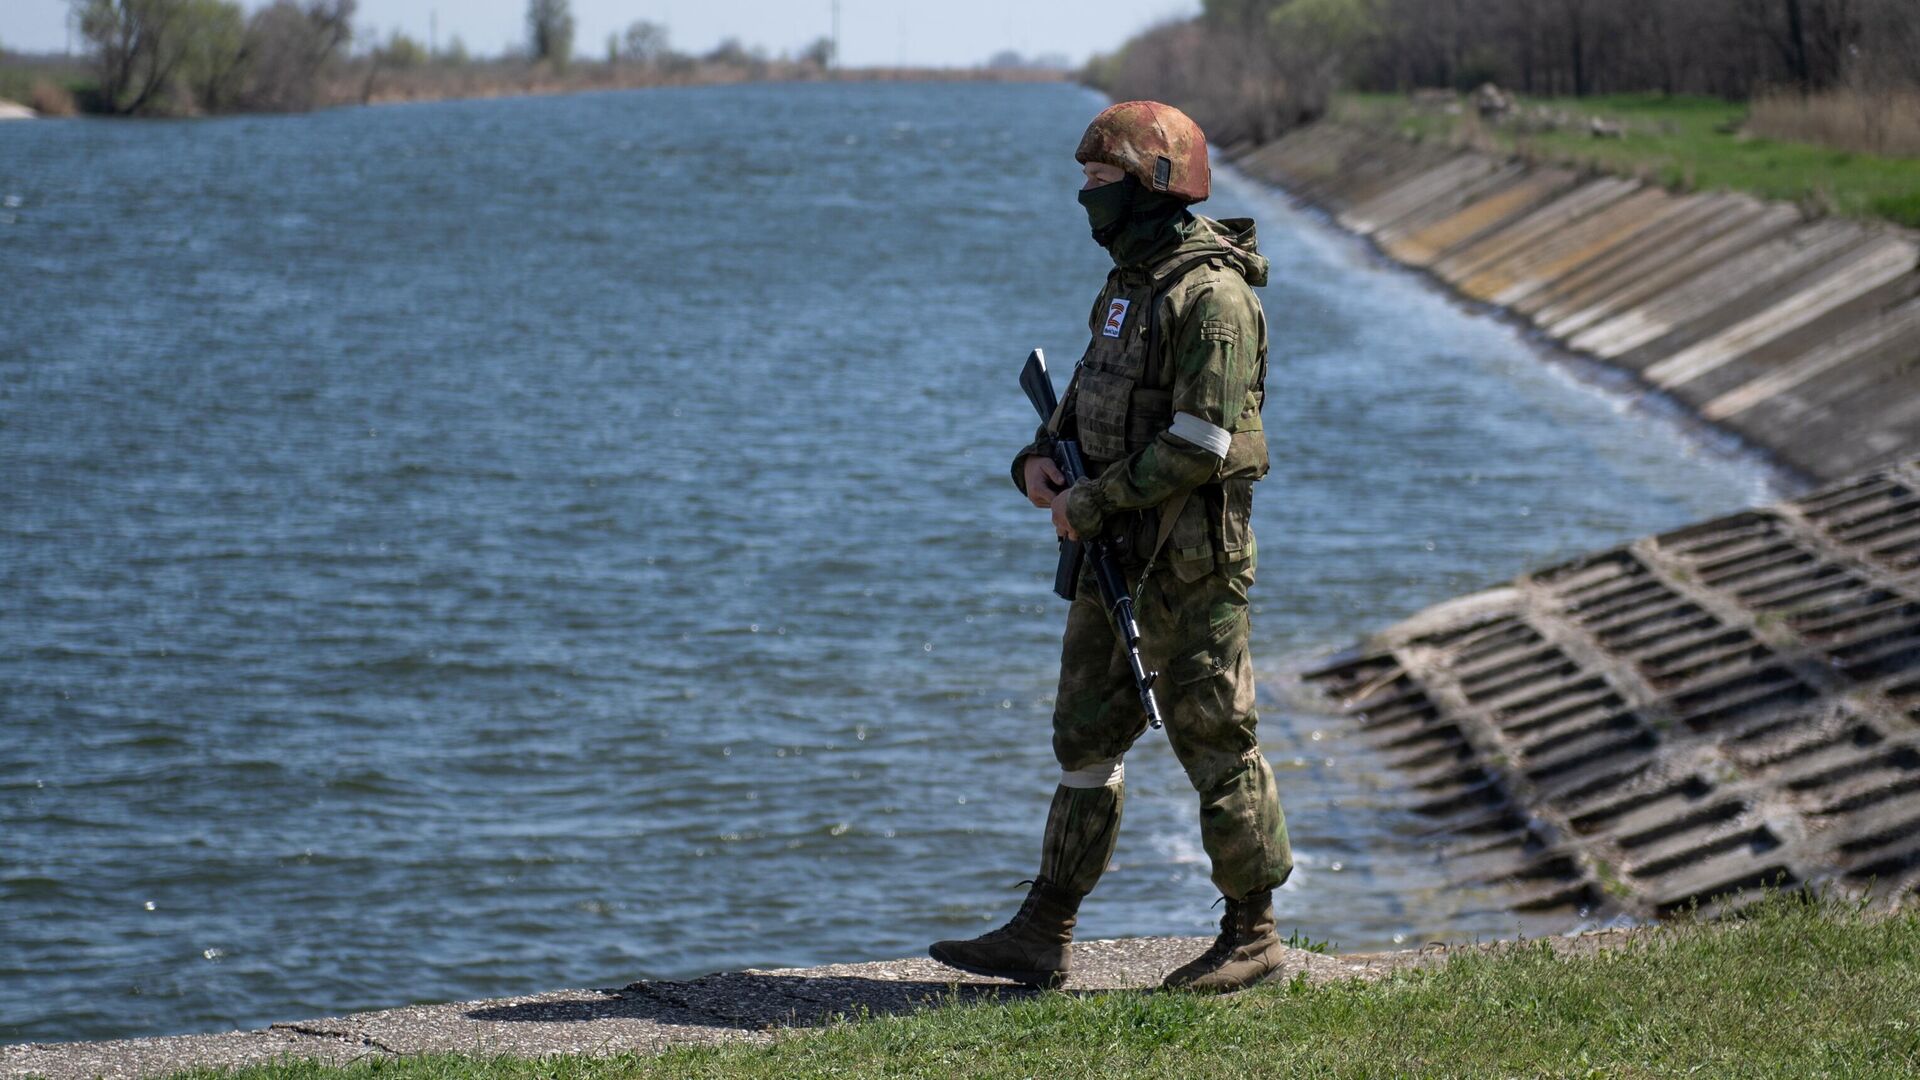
x,y
648,1017
1881,261
1526,194
1740,224
1507,243
1690,307
1792,333
1684,718
1583,245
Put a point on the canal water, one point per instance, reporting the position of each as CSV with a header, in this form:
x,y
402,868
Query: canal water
x,y
467,549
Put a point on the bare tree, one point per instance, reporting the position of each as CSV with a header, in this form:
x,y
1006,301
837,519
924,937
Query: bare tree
x,y
174,56
137,45
214,63
289,48
644,43
550,31
818,54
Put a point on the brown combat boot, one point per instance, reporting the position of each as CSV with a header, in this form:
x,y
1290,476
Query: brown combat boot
x,y
1246,951
1031,948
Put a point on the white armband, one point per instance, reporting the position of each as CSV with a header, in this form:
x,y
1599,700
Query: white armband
x,y
1209,437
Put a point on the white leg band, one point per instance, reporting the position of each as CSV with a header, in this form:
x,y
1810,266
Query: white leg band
x,y
1097,775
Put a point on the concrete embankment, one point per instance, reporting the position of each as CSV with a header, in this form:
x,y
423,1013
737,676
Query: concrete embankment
x,y
1730,705
1801,335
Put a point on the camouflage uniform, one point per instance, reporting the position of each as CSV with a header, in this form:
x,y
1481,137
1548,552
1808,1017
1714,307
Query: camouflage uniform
x,y
1166,406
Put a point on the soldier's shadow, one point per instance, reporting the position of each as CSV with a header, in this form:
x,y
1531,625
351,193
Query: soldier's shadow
x,y
746,1001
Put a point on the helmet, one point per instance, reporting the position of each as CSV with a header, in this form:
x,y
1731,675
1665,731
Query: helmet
x,y
1156,144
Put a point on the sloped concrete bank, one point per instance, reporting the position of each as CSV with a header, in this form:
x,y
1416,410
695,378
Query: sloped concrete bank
x,y
1730,705
1802,336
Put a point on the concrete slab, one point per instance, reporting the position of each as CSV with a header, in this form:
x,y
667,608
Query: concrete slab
x,y
1857,341
1717,287
1468,224
1881,260
1450,202
1749,225
1417,191
1573,249
1605,273
1533,230
1808,337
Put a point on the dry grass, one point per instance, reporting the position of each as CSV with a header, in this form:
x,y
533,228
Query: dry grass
x,y
1883,122
51,99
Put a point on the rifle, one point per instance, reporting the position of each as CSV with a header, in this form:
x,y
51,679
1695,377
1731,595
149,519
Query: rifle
x,y
1106,566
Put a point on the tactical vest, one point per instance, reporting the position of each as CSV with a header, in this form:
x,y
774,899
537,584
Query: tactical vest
x,y
1122,399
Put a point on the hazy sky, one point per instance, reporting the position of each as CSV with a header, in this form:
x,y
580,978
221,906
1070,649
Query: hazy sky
x,y
930,32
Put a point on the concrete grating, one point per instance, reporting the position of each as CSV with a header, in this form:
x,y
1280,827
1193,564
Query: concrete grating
x,y
1678,721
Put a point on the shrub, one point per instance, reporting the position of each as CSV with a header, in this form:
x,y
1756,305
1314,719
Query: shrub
x,y
51,99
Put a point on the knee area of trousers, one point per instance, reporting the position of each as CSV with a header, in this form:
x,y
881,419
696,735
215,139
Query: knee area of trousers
x,y
1223,770
1098,773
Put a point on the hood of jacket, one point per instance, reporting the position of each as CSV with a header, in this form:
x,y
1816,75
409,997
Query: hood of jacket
x,y
1232,239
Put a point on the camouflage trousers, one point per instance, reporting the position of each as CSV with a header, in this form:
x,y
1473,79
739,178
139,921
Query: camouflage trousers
x,y
1194,634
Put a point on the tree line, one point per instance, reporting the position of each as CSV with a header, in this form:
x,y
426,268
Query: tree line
x,y
1257,67
184,57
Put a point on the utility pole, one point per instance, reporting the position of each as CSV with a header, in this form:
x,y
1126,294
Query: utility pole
x,y
836,33
433,32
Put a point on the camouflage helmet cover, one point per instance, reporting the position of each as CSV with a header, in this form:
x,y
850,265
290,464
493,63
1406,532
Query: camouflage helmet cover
x,y
1158,145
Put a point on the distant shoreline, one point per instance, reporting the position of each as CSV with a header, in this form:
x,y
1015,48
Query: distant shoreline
x,y
362,83
549,86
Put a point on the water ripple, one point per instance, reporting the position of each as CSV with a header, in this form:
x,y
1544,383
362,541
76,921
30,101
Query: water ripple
x,y
448,553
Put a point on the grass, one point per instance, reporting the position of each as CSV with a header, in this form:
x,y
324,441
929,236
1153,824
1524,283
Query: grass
x,y
1693,144
50,88
1797,987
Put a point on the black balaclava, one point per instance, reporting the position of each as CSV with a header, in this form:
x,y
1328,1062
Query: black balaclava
x,y
1133,222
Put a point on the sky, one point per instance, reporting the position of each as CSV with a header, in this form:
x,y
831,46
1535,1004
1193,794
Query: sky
x,y
872,32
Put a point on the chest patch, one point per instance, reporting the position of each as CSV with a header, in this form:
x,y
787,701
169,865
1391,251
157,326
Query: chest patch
x,y
1116,317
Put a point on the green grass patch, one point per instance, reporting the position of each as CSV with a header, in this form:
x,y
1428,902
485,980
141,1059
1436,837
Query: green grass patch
x,y
18,78
1692,144
1796,988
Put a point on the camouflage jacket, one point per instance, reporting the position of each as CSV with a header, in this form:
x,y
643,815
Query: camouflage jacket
x,y
1166,402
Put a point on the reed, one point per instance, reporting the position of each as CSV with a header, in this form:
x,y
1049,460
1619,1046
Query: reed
x,y
1883,121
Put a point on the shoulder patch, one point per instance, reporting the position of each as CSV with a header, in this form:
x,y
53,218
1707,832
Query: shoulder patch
x,y
1219,330
1116,317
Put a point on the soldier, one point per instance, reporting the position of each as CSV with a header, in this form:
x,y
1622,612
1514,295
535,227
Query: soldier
x,y
1166,406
